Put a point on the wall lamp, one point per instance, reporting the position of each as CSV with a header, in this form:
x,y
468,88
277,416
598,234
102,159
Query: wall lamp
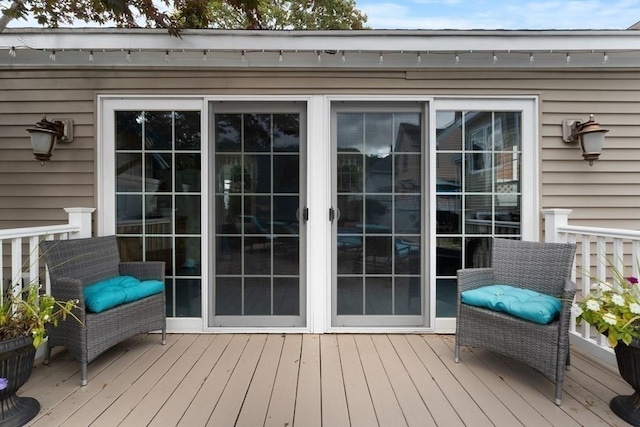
x,y
589,134
45,134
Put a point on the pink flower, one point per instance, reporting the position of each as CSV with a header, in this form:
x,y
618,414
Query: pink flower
x,y
632,280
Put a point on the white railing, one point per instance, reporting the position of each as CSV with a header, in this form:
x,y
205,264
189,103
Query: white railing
x,y
21,246
599,249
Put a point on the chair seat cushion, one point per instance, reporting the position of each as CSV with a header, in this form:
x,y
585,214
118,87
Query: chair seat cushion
x,y
108,293
523,303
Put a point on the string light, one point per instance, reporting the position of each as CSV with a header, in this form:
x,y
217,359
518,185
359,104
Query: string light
x,y
319,57
568,58
243,59
12,52
605,58
419,58
280,57
128,56
381,59
531,58
495,58
166,56
52,56
344,57
90,56
457,59
204,56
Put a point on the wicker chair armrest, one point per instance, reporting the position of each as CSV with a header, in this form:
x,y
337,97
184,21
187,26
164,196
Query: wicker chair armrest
x,y
471,278
67,288
143,270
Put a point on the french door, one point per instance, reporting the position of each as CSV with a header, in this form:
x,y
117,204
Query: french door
x,y
378,224
258,194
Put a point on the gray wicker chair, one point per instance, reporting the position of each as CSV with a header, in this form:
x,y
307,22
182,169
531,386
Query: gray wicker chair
x,y
73,264
541,267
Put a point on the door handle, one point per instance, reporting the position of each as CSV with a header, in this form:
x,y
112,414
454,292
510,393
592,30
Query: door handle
x,y
334,213
305,214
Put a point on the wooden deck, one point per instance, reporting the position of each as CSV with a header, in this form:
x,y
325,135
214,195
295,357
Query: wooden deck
x,y
315,380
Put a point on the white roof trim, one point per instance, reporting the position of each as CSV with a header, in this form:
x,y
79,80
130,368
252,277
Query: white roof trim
x,y
398,48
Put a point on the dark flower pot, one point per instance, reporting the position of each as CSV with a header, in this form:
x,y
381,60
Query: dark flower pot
x,y
16,362
628,407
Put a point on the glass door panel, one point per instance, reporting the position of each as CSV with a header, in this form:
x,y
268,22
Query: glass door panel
x,y
378,233
258,186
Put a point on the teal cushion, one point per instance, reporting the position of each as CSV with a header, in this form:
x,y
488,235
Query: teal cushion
x,y
108,293
522,303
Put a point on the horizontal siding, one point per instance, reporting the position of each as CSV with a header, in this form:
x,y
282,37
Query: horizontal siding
x,y
30,193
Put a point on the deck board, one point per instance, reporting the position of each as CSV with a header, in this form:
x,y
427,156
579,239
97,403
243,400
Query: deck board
x,y
315,380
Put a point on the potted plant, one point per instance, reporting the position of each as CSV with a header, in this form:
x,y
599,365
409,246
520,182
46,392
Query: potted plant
x,y
24,318
614,310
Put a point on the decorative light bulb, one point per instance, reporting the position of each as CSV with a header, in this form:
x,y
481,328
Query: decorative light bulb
x,y
12,52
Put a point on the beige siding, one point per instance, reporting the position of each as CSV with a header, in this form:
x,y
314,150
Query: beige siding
x,y
605,194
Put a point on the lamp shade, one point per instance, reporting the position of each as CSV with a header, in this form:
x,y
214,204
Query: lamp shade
x,y
43,138
591,137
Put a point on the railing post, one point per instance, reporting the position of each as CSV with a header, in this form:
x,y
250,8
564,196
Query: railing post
x,y
553,219
80,217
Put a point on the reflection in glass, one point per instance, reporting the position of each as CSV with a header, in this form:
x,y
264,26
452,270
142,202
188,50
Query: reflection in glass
x,y
286,297
158,172
350,173
449,130
350,295
228,297
257,296
286,174
407,296
188,259
378,177
286,132
478,214
448,214
187,130
408,173
350,128
446,298
407,255
128,172
160,249
448,256
257,132
128,130
228,255
378,211
379,197
188,297
257,175
378,295
228,132
378,255
188,215
187,173
407,214
478,252
160,175
130,249
257,200
158,130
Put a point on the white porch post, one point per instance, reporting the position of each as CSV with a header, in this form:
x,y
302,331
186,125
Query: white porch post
x,y
82,218
553,219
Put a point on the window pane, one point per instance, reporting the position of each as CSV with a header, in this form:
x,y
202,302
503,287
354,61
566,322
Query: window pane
x,y
187,125
228,132
286,132
128,130
158,130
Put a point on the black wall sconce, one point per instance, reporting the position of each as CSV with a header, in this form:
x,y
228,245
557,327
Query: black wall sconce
x,y
589,134
45,134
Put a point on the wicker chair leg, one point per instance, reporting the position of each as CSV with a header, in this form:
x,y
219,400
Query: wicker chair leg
x,y
456,354
83,374
559,393
568,365
164,336
47,354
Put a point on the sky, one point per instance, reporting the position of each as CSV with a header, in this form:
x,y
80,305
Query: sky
x,y
500,14
488,14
